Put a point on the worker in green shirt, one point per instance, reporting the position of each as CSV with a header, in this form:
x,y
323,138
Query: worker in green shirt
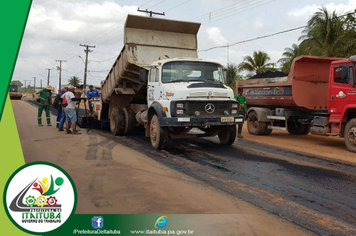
x,y
45,102
242,109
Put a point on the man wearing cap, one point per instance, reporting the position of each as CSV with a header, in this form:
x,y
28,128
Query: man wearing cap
x,y
45,100
92,93
69,110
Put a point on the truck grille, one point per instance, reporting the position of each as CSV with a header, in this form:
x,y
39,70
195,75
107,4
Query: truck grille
x,y
219,108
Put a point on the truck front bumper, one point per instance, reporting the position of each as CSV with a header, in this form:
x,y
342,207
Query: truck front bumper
x,y
200,122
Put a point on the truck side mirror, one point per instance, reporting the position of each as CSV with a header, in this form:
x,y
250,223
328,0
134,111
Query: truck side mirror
x,y
143,75
345,72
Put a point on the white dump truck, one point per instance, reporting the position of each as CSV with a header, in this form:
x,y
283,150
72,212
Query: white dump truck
x,y
159,82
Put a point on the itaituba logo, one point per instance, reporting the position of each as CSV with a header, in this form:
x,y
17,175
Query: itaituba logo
x,y
47,200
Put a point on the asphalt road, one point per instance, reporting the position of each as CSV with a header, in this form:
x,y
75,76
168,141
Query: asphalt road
x,y
317,194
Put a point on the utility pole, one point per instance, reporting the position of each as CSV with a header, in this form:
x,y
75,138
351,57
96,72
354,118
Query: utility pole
x,y
86,64
41,83
227,53
25,83
151,12
34,84
49,70
60,72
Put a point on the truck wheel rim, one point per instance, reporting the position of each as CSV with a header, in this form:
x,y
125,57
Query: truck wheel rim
x,y
352,136
153,131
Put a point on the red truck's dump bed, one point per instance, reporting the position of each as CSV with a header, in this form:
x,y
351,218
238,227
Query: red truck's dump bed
x,y
306,86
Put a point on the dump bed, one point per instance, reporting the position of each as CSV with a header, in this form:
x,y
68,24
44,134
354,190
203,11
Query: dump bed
x,y
147,40
305,87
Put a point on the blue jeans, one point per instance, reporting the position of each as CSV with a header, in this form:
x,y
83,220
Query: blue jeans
x,y
59,117
63,119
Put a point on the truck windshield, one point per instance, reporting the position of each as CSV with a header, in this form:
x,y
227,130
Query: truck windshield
x,y
173,72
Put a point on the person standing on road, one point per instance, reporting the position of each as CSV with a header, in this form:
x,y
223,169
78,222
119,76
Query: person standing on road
x,y
242,110
45,100
69,110
57,103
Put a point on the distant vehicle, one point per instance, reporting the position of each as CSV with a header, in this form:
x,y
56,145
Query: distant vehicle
x,y
318,96
14,93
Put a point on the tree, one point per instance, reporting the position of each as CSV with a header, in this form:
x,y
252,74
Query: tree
x,y
74,81
232,71
257,63
329,35
18,83
288,57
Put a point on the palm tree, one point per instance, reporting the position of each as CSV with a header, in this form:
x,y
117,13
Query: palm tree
x,y
232,71
257,63
74,81
288,57
324,34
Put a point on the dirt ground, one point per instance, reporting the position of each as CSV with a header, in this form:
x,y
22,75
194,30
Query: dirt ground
x,y
327,147
113,179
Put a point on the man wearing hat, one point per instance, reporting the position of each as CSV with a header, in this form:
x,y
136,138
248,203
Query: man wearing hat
x,y
45,100
69,110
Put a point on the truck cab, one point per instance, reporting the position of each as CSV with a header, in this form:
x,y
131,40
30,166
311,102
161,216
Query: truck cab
x,y
342,100
187,93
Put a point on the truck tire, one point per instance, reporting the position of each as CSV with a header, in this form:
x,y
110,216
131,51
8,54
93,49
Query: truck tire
x,y
297,129
117,117
254,126
227,135
350,135
158,134
129,121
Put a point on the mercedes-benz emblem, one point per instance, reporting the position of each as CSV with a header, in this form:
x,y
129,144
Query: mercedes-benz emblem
x,y
209,108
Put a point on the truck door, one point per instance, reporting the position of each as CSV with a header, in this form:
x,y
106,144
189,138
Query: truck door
x,y
341,91
153,88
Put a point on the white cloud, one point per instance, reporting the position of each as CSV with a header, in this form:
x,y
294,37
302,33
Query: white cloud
x,y
214,34
258,25
309,10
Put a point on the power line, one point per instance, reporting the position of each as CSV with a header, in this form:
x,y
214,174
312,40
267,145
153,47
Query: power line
x,y
157,4
176,6
264,36
103,60
238,11
146,3
218,10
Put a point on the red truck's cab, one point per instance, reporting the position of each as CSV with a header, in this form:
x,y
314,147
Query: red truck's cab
x,y
342,98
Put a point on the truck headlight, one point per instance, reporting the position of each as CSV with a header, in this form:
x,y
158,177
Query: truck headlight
x,y
235,105
234,111
180,112
180,105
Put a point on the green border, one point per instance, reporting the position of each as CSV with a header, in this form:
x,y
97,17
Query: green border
x,y
14,16
32,164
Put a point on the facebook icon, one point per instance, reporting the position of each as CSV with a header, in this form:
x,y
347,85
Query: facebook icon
x,y
97,222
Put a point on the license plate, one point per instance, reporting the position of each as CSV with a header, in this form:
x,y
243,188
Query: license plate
x,y
227,119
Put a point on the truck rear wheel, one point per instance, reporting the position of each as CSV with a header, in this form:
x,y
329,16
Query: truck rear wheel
x,y
129,121
350,135
117,126
227,135
158,134
254,126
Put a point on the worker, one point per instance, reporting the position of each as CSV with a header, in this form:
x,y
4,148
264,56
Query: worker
x,y
69,110
57,104
45,101
92,93
242,109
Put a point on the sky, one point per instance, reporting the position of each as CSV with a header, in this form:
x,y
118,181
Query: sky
x,y
56,28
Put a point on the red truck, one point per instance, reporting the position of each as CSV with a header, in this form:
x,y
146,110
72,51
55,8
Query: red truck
x,y
317,96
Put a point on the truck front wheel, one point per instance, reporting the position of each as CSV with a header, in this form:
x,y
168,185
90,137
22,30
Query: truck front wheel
x,y
227,135
158,134
350,135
